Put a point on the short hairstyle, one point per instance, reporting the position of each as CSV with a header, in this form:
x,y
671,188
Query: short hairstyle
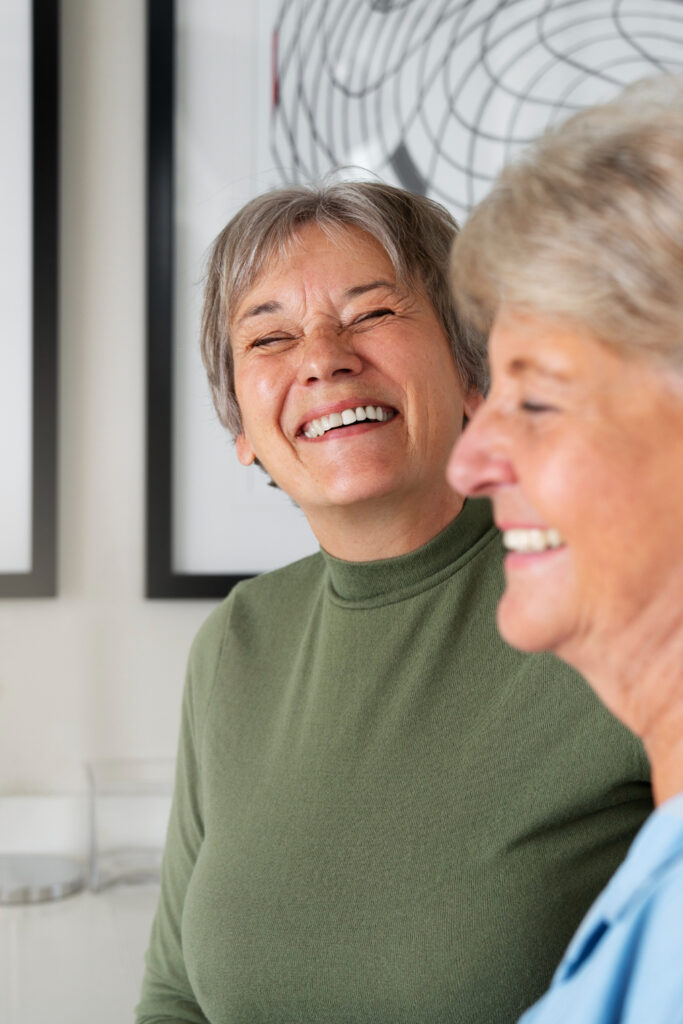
x,y
587,227
415,232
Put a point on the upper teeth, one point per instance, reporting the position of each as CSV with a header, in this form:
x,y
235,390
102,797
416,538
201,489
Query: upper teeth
x,y
531,540
316,428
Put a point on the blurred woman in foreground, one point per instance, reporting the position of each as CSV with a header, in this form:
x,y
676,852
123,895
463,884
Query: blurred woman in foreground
x,y
576,258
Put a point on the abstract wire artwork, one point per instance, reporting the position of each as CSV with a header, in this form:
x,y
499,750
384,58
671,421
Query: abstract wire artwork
x,y
436,95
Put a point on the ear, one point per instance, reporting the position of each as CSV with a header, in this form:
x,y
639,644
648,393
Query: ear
x,y
245,453
473,399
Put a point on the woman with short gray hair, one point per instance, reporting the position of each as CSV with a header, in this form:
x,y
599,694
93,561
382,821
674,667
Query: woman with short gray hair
x,y
415,233
576,258
382,812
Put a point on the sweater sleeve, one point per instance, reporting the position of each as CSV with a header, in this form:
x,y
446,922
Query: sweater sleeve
x,y
167,996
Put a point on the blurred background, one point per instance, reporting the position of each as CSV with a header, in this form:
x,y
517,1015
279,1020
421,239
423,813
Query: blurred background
x,y
433,95
96,672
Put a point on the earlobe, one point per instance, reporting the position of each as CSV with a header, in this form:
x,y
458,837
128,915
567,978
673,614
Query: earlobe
x,y
245,453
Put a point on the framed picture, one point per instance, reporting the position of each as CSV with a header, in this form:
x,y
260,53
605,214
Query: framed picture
x,y
210,521
434,98
28,309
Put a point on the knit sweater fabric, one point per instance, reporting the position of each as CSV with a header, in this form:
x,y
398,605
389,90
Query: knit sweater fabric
x,y
383,814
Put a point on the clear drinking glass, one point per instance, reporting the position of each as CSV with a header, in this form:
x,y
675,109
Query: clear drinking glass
x,y
129,804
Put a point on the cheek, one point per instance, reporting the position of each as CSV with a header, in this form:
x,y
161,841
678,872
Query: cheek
x,y
587,494
550,482
259,399
437,391
569,489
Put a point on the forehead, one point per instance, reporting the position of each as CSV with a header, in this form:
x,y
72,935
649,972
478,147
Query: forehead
x,y
346,248
316,262
527,342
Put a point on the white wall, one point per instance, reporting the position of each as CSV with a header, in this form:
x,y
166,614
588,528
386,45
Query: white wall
x,y
97,672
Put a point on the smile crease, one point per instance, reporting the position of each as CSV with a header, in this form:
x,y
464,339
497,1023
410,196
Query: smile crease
x,y
354,414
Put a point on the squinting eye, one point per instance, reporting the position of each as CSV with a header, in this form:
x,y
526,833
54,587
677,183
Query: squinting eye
x,y
536,407
270,340
374,314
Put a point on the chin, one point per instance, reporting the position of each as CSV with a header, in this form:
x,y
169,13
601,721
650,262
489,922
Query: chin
x,y
359,488
528,629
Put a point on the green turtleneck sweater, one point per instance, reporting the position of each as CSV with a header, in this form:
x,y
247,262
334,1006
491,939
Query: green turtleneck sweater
x,y
383,814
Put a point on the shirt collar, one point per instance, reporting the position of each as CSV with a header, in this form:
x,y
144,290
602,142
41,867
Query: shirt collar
x,y
392,579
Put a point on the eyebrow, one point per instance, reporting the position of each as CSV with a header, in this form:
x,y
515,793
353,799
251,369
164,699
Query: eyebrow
x,y
262,307
519,366
361,289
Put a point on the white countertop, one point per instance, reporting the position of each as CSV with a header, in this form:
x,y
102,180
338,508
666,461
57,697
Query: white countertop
x,y
75,961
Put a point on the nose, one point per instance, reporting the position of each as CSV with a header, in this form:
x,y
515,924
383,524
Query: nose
x,y
328,352
480,463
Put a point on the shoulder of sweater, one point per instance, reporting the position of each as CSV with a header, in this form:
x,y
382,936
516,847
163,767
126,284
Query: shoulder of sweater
x,y
250,599
283,584
286,580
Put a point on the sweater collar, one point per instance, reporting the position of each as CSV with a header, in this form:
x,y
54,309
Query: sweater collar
x,y
392,579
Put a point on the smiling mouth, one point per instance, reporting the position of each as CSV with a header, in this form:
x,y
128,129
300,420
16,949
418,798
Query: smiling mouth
x,y
346,418
532,541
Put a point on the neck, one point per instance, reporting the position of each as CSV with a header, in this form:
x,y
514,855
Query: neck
x,y
666,758
640,680
382,528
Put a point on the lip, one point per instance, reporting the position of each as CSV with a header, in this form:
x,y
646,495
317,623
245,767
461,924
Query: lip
x,y
515,559
345,403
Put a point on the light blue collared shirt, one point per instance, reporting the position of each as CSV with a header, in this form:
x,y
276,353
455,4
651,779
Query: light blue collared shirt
x,y
625,962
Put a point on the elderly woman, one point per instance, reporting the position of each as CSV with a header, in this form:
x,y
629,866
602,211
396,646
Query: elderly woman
x,y
379,816
577,258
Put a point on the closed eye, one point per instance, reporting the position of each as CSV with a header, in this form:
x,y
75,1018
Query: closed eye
x,y
536,407
373,314
270,339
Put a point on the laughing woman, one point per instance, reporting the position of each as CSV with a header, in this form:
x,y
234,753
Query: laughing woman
x,y
577,257
382,812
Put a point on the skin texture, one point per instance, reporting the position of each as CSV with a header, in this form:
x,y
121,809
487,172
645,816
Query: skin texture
x,y
325,328
578,437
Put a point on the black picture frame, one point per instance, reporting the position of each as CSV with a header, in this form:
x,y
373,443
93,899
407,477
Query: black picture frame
x,y
162,581
41,579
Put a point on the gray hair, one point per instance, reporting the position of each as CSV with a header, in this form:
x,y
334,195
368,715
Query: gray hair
x,y
587,227
415,232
